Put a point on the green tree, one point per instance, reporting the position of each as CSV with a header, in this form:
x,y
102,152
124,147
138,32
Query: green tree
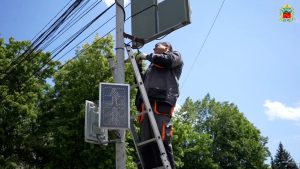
x,y
22,87
43,126
192,149
233,141
61,126
283,159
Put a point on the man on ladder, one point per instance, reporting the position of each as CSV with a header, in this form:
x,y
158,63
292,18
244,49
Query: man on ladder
x,y
161,81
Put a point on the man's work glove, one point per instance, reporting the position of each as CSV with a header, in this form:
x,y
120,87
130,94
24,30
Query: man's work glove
x,y
141,56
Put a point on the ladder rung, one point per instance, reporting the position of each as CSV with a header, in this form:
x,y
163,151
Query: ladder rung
x,y
161,167
146,142
157,138
139,114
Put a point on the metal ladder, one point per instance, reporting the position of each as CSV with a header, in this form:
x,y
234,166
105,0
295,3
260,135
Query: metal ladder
x,y
157,137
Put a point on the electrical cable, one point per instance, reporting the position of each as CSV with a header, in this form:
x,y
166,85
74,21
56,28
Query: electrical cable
x,y
72,38
70,18
203,43
90,35
50,21
119,5
162,37
13,63
43,37
140,12
82,50
80,31
54,27
44,34
87,37
70,24
60,32
95,31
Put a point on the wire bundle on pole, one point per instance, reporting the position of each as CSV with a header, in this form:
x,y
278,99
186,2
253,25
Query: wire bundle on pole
x,y
33,49
68,19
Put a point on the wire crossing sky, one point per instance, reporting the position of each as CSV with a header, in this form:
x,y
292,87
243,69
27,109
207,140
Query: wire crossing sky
x,y
250,58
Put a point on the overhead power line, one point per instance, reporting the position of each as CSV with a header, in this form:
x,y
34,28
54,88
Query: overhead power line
x,y
60,48
57,50
50,21
71,23
81,51
14,62
88,37
54,27
203,44
91,35
28,54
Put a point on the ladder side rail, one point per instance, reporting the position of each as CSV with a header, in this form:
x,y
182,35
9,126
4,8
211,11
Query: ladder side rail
x,y
135,138
153,123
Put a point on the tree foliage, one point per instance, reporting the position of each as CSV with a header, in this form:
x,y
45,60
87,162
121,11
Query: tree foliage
x,y
229,140
283,159
192,149
22,88
63,110
42,126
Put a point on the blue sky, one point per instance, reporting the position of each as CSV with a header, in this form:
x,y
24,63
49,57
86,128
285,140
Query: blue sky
x,y
251,58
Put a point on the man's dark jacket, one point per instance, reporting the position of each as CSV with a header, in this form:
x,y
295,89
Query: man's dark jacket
x,y
161,79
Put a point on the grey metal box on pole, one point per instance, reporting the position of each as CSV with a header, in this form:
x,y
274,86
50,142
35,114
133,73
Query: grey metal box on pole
x,y
143,18
152,19
172,15
92,133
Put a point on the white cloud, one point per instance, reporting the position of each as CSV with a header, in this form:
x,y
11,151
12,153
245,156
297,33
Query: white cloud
x,y
277,110
110,2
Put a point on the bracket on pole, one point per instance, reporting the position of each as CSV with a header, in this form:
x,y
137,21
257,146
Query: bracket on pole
x,y
140,41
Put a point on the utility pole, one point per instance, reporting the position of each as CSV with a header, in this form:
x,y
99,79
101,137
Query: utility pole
x,y
119,75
